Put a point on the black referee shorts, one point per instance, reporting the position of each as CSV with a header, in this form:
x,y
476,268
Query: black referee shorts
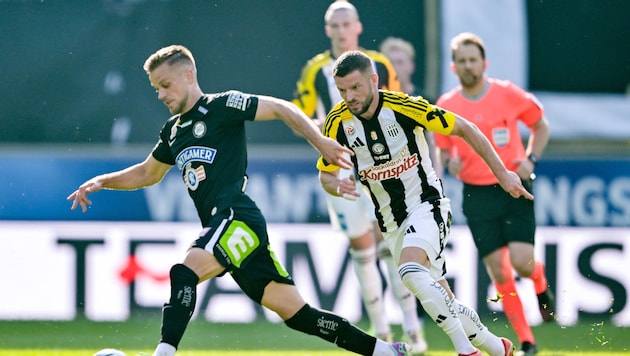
x,y
495,218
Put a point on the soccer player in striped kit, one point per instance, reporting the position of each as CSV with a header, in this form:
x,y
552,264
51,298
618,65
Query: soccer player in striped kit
x,y
385,131
316,94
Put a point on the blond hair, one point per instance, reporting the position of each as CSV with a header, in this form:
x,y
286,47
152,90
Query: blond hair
x,y
171,55
394,43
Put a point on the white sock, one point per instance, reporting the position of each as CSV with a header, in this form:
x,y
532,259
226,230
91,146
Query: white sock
x,y
406,299
164,349
436,303
478,333
364,262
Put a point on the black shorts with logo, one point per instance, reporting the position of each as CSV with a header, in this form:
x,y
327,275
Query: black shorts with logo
x,y
238,239
495,218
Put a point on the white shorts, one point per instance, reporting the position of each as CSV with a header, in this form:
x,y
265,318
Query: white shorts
x,y
353,218
425,230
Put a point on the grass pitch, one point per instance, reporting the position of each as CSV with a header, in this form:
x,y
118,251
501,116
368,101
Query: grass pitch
x,y
141,332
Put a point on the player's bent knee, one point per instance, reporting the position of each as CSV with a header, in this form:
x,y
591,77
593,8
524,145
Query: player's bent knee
x,y
183,286
283,299
183,274
363,256
204,263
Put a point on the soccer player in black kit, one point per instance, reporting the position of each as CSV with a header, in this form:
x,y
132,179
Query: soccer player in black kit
x,y
205,138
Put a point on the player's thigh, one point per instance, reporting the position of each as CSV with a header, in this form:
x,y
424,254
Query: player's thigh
x,y
203,263
426,228
263,269
233,237
519,224
283,299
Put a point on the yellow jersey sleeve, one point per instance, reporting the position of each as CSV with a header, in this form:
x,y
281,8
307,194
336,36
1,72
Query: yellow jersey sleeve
x,y
420,110
305,95
331,130
440,120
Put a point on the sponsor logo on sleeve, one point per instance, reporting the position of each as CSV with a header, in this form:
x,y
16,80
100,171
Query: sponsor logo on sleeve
x,y
238,100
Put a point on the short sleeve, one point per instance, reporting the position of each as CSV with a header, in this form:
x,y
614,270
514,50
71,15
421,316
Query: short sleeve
x,y
162,151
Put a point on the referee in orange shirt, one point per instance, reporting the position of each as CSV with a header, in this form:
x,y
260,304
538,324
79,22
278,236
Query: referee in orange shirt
x,y
503,228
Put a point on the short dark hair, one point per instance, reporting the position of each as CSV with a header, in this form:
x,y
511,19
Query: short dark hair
x,y
171,54
350,61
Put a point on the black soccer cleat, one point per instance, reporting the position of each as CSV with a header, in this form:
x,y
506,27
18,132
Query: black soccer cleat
x,y
527,349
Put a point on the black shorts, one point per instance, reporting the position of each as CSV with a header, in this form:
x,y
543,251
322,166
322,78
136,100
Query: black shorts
x,y
238,239
495,218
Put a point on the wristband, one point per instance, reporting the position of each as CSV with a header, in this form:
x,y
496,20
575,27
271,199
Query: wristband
x,y
532,158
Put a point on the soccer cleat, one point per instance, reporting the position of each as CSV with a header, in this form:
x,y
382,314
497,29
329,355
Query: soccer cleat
x,y
400,349
476,353
418,343
508,346
547,305
527,349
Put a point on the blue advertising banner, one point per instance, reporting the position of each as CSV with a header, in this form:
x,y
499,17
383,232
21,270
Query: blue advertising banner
x,y
34,186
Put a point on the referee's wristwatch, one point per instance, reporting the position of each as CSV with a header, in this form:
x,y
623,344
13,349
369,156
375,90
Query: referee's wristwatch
x,y
532,158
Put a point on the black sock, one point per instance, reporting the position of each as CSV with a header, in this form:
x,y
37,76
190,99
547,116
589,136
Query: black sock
x,y
177,312
332,328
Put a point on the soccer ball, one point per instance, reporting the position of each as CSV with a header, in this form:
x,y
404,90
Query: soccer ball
x,y
110,352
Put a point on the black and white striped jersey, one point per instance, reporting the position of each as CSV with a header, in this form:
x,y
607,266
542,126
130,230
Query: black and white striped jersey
x,y
391,152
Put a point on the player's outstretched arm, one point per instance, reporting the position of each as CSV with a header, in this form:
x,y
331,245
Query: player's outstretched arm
x,y
149,172
508,180
270,108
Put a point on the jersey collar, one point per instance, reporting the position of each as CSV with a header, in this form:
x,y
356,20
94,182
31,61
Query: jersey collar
x,y
197,112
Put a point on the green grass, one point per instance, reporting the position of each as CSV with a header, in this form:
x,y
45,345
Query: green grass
x,y
140,334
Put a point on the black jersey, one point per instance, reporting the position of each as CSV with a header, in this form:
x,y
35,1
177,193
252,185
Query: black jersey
x,y
208,145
